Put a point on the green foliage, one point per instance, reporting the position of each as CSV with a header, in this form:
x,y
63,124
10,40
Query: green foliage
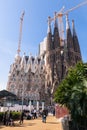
x,y
72,92
1,116
16,115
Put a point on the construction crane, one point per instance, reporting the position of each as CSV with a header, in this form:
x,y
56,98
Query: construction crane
x,y
60,15
20,33
55,16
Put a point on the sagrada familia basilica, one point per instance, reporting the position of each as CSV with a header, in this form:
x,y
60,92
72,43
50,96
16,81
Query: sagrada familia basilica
x,y
37,78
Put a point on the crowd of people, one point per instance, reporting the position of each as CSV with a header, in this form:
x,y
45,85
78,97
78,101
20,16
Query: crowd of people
x,y
33,114
7,118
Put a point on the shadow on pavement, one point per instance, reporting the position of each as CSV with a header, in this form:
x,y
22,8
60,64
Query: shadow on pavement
x,y
1,127
31,124
23,125
52,122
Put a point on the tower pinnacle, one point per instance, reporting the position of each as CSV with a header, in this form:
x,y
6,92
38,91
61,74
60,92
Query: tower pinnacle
x,y
55,20
49,25
67,22
73,28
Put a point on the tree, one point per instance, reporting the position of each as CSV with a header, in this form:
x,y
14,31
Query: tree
x,y
72,93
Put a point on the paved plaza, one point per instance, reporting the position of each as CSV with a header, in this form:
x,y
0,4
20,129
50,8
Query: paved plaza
x,y
36,124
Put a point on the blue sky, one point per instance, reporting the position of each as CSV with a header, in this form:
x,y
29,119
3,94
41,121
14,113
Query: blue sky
x,y
34,28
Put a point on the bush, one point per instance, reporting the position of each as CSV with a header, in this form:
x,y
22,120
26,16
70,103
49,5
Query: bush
x,y
16,115
1,116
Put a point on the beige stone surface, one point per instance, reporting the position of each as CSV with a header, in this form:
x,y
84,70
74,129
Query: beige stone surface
x,y
36,124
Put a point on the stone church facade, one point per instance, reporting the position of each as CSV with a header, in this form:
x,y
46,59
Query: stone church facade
x,y
36,78
27,77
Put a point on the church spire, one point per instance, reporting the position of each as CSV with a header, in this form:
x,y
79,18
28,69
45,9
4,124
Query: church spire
x,y
67,22
49,25
75,40
49,36
73,29
55,21
69,40
68,34
56,32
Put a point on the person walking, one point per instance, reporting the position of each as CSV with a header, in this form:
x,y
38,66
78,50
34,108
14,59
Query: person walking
x,y
54,112
35,114
21,117
44,115
4,118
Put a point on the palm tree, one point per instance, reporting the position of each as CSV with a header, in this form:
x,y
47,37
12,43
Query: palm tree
x,y
72,92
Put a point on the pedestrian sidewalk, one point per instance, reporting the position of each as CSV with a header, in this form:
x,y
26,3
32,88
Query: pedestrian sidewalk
x,y
51,124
